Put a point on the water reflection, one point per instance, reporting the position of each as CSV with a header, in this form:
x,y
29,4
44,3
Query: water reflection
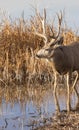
x,y
23,107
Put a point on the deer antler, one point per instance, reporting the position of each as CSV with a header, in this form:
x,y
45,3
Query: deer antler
x,y
54,38
43,23
59,23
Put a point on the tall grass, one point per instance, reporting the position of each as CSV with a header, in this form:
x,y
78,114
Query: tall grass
x,y
18,46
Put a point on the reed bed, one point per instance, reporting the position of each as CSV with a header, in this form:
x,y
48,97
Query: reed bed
x,y
18,47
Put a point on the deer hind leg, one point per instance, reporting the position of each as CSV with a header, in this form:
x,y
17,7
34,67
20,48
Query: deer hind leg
x,y
55,94
75,81
68,91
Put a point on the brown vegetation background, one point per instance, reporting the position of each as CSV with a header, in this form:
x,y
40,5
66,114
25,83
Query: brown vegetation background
x,y
18,46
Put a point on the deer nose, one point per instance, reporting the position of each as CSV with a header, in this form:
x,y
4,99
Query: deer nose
x,y
37,56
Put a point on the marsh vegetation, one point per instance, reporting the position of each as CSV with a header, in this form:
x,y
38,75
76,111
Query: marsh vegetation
x,y
26,82
18,47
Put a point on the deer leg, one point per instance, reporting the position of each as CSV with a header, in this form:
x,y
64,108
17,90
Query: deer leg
x,y
55,94
75,81
74,87
76,93
68,92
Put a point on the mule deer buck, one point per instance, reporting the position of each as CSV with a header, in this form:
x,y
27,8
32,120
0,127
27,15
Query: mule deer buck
x,y
64,59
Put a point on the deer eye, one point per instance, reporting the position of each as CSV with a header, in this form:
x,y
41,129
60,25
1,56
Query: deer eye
x,y
46,49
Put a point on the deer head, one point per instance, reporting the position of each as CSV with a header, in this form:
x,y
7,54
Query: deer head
x,y
48,50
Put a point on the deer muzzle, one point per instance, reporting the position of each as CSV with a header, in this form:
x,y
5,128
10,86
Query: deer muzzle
x,y
42,53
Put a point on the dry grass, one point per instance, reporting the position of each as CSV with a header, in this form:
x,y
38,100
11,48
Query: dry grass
x,y
18,46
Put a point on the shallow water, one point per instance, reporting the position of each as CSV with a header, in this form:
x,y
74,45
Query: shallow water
x,y
25,108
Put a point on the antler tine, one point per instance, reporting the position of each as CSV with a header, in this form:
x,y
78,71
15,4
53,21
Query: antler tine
x,y
43,23
53,32
59,27
41,35
59,23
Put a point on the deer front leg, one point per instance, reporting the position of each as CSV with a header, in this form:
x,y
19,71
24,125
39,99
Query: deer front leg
x,y
75,81
74,85
55,94
68,92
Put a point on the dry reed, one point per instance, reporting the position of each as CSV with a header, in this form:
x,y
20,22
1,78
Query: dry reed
x,y
18,46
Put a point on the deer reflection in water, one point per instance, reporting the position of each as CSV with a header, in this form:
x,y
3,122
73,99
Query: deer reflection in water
x,y
35,96
26,103
26,95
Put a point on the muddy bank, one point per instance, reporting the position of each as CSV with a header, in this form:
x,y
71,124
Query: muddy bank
x,y
63,121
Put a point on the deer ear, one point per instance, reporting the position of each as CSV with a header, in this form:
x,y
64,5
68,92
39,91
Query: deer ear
x,y
60,40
